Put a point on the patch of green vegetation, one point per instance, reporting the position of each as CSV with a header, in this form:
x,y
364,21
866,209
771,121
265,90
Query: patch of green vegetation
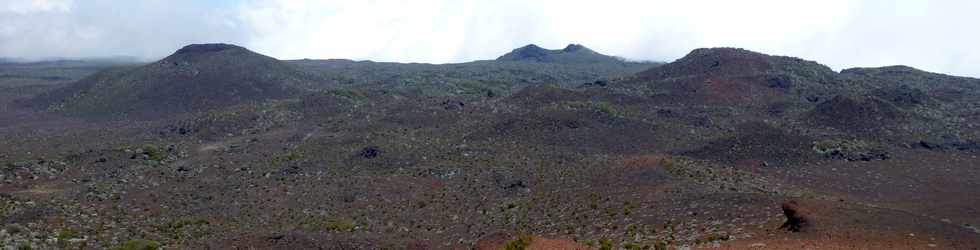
x,y
8,165
138,244
605,244
67,234
153,152
715,237
24,246
597,106
293,155
520,243
341,225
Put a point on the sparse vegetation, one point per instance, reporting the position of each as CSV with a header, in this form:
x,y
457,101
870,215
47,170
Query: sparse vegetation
x,y
851,150
67,234
341,225
520,243
153,152
596,106
605,244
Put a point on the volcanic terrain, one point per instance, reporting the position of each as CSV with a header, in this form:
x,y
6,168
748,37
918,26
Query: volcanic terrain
x,y
219,147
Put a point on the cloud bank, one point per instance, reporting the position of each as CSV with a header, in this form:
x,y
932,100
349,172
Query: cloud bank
x,y
931,35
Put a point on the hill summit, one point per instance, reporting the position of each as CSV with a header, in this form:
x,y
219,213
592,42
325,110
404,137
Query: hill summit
x,y
196,77
573,53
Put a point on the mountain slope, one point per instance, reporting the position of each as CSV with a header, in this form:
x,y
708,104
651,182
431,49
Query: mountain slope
x,y
195,78
730,76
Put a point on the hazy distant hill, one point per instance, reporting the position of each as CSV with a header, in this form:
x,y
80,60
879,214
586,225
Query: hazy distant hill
x,y
573,66
573,53
194,78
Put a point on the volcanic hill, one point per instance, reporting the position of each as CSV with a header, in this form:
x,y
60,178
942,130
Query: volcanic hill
x,y
195,78
573,53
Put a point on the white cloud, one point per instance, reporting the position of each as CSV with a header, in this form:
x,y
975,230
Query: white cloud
x,y
146,28
35,6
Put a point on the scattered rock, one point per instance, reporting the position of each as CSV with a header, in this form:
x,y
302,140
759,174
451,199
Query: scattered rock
x,y
453,104
796,217
597,83
370,152
510,183
948,144
277,237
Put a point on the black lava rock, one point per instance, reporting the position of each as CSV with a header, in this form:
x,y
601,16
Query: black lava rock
x,y
370,152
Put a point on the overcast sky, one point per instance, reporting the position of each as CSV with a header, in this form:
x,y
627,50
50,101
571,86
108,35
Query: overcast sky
x,y
935,35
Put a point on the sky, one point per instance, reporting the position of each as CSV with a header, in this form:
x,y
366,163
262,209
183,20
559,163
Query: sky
x,y
934,35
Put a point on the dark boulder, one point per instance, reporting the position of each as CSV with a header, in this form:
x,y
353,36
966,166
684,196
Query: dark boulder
x,y
779,82
511,183
370,152
797,218
453,104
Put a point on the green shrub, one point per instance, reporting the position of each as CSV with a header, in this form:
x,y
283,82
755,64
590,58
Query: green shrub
x,y
605,244
153,152
67,234
715,237
293,155
341,225
519,244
